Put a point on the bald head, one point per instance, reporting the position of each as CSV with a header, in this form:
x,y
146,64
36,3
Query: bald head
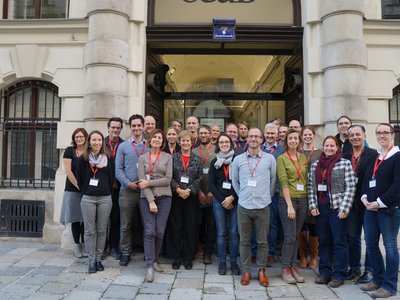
x,y
149,124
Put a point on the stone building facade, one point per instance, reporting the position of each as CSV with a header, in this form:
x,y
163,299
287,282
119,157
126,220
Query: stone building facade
x,y
96,57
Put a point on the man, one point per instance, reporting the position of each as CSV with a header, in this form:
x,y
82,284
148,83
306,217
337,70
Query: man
x,y
253,178
127,174
277,122
360,157
281,133
232,131
343,124
215,132
149,125
192,124
112,141
206,151
294,124
275,227
243,133
177,125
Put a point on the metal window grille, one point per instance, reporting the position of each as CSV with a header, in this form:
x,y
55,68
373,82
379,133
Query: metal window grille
x,y
21,218
30,112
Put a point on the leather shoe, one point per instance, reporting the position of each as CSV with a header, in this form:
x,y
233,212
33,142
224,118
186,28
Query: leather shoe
x,y
207,260
353,273
321,279
365,278
99,266
92,267
262,278
235,268
124,261
222,268
381,293
176,264
245,278
270,260
370,286
188,265
335,283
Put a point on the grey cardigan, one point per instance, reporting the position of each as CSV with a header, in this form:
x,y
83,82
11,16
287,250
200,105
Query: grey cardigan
x,y
159,183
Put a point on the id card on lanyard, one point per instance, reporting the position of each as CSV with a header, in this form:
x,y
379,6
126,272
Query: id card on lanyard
x,y
252,182
226,184
93,181
372,182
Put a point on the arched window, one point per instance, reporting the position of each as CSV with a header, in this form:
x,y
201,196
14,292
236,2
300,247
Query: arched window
x,y
30,111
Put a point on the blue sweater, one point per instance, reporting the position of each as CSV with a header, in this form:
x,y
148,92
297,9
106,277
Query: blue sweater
x,y
387,187
126,162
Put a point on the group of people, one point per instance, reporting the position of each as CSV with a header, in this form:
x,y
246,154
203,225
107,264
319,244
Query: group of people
x,y
256,190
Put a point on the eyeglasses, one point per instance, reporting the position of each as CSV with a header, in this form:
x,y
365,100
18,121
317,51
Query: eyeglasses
x,y
254,137
383,133
224,142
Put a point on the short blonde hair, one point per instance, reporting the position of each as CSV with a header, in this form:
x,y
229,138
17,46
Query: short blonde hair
x,y
185,133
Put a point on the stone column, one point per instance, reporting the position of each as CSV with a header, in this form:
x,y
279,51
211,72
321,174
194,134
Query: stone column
x,y
106,60
343,62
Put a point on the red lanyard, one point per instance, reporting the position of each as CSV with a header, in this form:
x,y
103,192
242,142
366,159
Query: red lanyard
x,y
113,150
323,175
195,141
94,170
272,149
298,167
309,157
151,164
245,145
203,160
376,165
248,163
226,172
353,161
185,165
136,150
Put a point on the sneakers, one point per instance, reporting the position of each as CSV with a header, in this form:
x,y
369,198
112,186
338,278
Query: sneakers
x,y
365,278
124,261
222,268
150,274
296,275
157,267
235,268
78,250
287,276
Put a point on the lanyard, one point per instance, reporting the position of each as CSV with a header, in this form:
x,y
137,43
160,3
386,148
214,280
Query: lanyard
x,y
323,175
94,170
353,161
298,167
271,150
226,172
309,157
113,150
195,141
151,164
248,163
245,145
185,165
203,160
136,150
376,165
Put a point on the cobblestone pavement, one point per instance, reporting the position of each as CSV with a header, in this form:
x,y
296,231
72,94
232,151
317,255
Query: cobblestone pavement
x,y
30,270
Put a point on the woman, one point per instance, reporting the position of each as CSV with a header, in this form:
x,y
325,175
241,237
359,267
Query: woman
x,y
331,188
312,154
381,197
172,145
155,173
95,180
186,177
71,206
224,203
292,206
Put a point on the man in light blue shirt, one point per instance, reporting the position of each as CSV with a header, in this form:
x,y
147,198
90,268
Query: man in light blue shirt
x,y
253,178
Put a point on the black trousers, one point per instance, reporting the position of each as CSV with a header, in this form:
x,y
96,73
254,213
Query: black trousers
x,y
207,229
181,238
113,233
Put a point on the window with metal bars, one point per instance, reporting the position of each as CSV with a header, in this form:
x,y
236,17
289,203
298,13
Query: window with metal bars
x,y
390,9
30,111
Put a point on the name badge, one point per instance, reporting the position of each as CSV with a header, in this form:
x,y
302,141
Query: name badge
x,y
300,187
226,185
356,180
184,179
147,177
251,183
137,166
94,182
372,183
205,171
322,188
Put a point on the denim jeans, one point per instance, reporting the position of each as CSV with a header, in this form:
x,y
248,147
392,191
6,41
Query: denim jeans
x,y
226,220
332,237
291,229
247,219
355,225
375,224
275,226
